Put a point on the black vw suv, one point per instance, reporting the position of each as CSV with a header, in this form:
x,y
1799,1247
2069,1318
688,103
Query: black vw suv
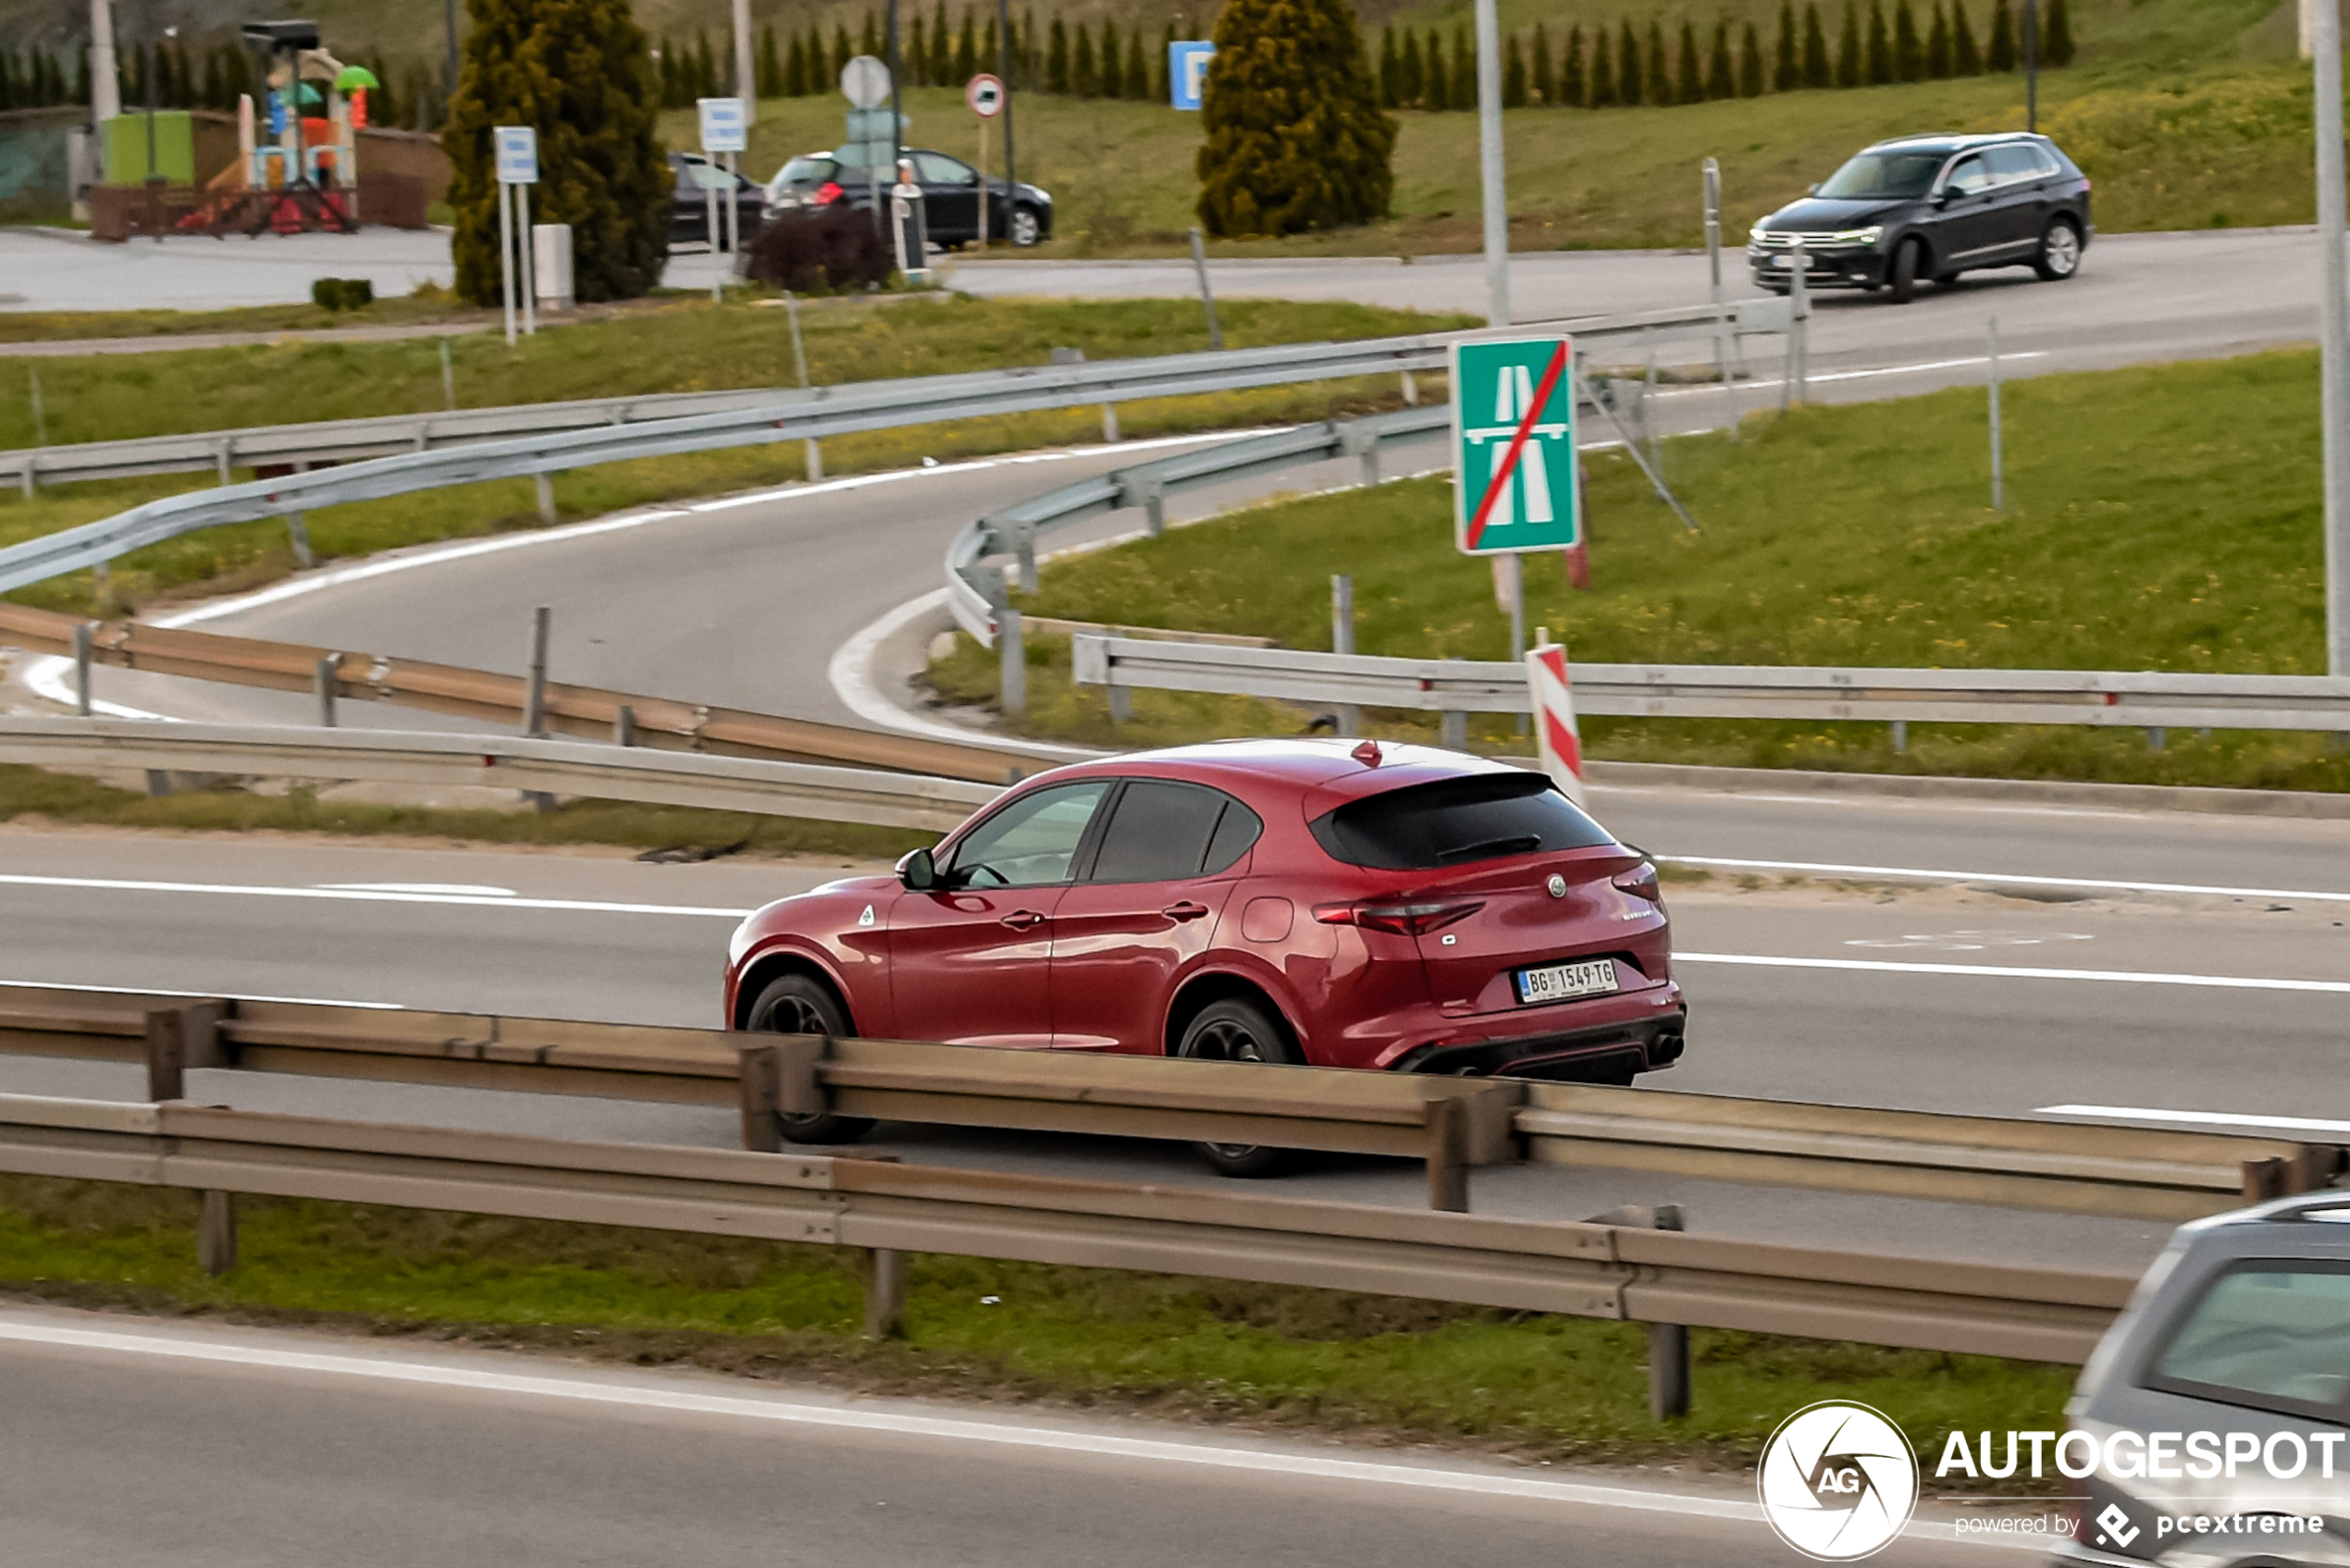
x,y
1931,206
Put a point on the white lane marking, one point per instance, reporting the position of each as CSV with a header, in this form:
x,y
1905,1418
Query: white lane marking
x,y
1911,873
356,895
49,676
1715,388
448,887
2200,1119
232,995
2003,971
900,1424
851,676
1966,940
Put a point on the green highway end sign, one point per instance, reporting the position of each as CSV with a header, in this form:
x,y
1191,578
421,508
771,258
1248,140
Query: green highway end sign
x,y
1513,446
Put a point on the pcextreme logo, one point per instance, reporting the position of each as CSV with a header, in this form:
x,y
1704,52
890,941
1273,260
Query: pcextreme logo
x,y
1838,1481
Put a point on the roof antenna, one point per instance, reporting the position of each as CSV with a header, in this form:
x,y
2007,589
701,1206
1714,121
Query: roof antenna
x,y
1366,753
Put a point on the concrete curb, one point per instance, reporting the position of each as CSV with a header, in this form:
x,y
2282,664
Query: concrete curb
x,y
2038,792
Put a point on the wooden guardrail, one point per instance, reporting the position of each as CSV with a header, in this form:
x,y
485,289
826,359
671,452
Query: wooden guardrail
x,y
1453,1124
1586,1270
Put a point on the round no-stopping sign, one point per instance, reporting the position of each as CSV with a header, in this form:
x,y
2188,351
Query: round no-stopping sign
x,y
985,93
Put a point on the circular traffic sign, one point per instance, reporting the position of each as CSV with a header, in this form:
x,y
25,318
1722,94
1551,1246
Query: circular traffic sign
x,y
865,81
985,93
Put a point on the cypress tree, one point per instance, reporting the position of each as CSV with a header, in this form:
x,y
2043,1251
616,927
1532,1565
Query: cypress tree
x,y
1546,76
1966,58
1463,88
2002,52
1084,75
941,50
1057,75
1630,78
1410,77
8,81
1113,62
795,83
1816,69
1721,77
667,62
1880,46
914,59
1909,50
870,42
842,53
2056,45
1390,70
1571,91
1138,70
1849,71
1658,88
1786,71
1436,87
966,64
1750,75
1603,89
1513,75
1689,85
1937,44
769,75
576,70
1295,139
990,56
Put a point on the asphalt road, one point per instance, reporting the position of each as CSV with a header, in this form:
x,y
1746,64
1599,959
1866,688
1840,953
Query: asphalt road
x,y
140,1445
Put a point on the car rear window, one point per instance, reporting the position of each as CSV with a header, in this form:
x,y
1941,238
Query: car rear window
x,y
2270,1334
1160,831
1456,822
807,172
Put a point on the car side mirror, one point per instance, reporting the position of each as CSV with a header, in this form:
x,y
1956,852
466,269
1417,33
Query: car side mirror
x,y
918,871
1940,198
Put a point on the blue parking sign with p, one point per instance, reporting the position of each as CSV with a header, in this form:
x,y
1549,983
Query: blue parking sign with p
x,y
1513,446
1187,73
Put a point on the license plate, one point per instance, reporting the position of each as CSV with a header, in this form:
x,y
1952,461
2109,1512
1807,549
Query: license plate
x,y
1561,982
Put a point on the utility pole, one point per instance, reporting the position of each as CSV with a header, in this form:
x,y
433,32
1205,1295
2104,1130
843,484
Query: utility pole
x,y
746,72
2333,365
1004,69
1489,142
2030,66
896,106
105,78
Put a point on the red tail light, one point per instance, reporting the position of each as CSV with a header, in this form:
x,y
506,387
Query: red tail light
x,y
1641,882
827,193
1402,918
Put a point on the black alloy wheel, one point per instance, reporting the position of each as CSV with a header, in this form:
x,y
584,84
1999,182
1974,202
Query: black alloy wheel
x,y
1237,1030
1902,279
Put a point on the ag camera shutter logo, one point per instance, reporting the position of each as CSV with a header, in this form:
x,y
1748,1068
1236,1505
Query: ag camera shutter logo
x,y
1838,1481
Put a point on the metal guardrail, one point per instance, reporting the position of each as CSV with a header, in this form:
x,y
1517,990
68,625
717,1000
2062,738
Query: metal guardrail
x,y
1585,1270
555,767
1453,1124
2125,698
780,416
651,722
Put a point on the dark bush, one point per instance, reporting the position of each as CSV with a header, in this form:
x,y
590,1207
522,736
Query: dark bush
x,y
343,293
834,247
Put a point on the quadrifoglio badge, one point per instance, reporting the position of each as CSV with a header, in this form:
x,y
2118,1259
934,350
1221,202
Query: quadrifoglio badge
x,y
1838,1481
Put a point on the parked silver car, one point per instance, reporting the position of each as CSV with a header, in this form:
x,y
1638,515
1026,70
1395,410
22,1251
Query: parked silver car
x,y
2219,1401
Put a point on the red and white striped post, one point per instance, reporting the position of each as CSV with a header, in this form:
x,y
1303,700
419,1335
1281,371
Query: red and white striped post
x,y
1554,731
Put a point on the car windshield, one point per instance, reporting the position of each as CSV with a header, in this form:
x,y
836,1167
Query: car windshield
x,y
1456,822
1884,175
807,172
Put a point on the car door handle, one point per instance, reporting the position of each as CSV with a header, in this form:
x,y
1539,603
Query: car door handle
x,y
1022,920
1186,910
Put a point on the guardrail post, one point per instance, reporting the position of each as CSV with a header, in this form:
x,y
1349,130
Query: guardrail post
x,y
1668,1371
1109,424
298,530
2265,1179
777,1076
1011,662
2156,737
1452,731
32,484
1349,716
1799,331
1026,551
815,460
534,706
216,1233
1411,391
221,454
623,726
179,1038
1448,1154
81,667
323,680
882,1271
545,487
1901,736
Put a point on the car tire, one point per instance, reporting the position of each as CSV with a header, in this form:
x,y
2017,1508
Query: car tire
x,y
800,1004
1236,1030
2059,256
1901,277
1026,227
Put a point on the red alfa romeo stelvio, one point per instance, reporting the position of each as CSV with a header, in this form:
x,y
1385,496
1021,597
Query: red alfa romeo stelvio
x,y
1327,901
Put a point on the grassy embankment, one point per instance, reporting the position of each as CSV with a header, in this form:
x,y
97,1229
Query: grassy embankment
x,y
1551,1388
2165,518
687,346
2187,114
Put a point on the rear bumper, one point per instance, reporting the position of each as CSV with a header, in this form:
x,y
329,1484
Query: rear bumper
x,y
1641,1040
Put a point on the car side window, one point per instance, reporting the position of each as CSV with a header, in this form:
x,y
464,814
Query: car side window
x,y
1030,843
1968,176
1159,830
2268,1334
2013,162
938,170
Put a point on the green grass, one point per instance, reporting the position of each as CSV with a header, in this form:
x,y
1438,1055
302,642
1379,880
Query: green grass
x,y
424,306
1545,1387
2165,518
32,796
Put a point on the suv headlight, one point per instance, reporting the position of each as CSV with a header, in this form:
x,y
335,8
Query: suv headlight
x,y
1869,236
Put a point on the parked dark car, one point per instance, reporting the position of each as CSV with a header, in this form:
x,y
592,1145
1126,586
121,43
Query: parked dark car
x,y
692,177
1022,214
1932,208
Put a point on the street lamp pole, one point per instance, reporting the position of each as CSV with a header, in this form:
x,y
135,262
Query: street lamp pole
x,y
2333,364
1489,139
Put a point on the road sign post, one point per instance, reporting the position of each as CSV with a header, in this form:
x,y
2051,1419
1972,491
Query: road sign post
x,y
725,130
1514,456
985,93
516,155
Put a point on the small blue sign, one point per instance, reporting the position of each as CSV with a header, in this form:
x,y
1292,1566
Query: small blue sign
x,y
518,153
1187,73
724,127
